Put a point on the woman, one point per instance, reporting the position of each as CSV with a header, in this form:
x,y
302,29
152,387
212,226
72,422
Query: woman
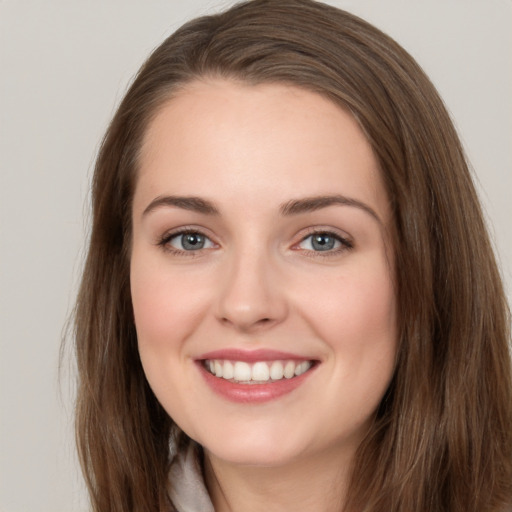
x,y
289,292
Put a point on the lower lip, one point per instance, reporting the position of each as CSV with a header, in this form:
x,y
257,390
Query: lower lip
x,y
252,393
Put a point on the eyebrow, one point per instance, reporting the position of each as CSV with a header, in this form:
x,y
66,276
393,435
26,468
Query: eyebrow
x,y
196,204
292,207
310,204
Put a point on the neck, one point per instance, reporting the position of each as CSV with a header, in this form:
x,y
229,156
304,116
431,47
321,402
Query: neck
x,y
318,483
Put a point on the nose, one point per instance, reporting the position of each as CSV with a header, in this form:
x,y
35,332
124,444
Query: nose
x,y
251,296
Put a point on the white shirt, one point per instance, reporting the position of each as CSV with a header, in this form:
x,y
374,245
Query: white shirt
x,y
186,487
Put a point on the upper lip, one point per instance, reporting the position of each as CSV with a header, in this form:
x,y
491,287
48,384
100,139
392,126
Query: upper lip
x,y
252,356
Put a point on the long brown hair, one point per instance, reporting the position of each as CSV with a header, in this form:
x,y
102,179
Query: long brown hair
x,y
442,437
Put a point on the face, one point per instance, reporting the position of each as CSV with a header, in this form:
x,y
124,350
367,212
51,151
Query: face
x,y
261,272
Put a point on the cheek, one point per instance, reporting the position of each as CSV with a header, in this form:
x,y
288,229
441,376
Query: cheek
x,y
358,302
356,317
166,304
166,312
370,310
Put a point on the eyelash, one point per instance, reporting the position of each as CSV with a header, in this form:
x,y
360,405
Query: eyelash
x,y
345,243
165,240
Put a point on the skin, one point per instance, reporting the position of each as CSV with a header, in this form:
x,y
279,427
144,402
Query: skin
x,y
259,283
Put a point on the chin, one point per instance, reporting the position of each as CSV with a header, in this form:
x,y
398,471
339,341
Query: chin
x,y
255,447
256,456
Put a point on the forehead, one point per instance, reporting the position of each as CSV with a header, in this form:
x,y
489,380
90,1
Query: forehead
x,y
245,142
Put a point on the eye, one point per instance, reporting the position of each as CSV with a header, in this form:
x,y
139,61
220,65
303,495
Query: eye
x,y
187,241
324,242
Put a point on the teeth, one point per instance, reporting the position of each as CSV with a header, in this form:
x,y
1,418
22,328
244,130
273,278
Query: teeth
x,y
228,372
242,371
218,368
301,368
261,371
289,369
276,370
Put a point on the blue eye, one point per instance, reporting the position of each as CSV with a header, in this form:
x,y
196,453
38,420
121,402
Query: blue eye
x,y
323,242
190,241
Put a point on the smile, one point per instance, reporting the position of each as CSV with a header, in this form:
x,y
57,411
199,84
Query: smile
x,y
254,376
259,372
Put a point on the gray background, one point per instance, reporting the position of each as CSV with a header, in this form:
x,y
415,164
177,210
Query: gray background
x,y
64,65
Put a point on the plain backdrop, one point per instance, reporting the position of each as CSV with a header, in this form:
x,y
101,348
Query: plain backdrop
x,y
64,66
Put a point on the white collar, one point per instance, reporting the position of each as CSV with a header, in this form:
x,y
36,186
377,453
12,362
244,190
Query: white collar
x,y
186,487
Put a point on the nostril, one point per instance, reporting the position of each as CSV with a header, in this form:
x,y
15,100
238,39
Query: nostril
x,y
263,322
249,324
